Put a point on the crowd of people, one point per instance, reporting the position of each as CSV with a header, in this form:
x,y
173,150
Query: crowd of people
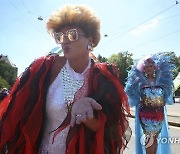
x,y
72,104
3,93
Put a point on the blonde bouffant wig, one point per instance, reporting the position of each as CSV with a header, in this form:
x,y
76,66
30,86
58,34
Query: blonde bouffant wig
x,y
80,16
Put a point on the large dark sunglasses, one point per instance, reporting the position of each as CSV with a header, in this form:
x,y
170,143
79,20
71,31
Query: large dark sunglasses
x,y
71,34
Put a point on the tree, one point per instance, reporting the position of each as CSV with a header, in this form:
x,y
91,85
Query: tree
x,y
8,72
101,59
176,61
123,61
4,83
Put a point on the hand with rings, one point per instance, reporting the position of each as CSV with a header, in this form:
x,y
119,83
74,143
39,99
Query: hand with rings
x,y
82,110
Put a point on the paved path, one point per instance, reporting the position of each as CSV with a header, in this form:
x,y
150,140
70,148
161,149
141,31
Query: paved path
x,y
174,132
173,112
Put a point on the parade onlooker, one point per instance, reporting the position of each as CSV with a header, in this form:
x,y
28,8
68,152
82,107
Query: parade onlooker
x,y
3,93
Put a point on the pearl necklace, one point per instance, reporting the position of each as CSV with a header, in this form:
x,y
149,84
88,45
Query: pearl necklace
x,y
70,86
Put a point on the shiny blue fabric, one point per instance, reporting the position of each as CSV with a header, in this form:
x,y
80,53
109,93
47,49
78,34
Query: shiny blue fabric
x,y
151,112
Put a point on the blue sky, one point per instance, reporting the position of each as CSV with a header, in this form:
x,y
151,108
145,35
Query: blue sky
x,y
23,37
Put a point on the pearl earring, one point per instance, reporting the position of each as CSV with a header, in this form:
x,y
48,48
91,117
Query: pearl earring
x,y
89,47
154,74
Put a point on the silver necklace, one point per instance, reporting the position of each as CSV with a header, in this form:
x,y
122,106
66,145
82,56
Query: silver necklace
x,y
70,86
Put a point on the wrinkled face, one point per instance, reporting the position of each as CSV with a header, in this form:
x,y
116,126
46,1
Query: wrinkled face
x,y
73,42
149,68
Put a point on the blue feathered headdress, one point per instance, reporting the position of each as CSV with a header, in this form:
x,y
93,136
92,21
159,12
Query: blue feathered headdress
x,y
163,78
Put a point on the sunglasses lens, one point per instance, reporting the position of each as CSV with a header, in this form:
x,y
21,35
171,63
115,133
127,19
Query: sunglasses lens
x,y
72,35
58,38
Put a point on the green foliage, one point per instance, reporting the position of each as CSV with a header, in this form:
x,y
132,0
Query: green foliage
x,y
4,83
101,59
176,61
123,61
8,73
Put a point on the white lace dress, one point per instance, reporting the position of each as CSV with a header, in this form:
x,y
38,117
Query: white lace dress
x,y
56,110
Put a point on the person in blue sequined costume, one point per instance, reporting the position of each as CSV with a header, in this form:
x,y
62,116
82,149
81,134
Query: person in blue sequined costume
x,y
149,88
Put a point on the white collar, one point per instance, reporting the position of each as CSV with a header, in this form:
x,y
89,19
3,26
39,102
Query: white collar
x,y
75,75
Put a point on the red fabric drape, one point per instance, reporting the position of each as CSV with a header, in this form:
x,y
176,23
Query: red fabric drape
x,y
28,134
